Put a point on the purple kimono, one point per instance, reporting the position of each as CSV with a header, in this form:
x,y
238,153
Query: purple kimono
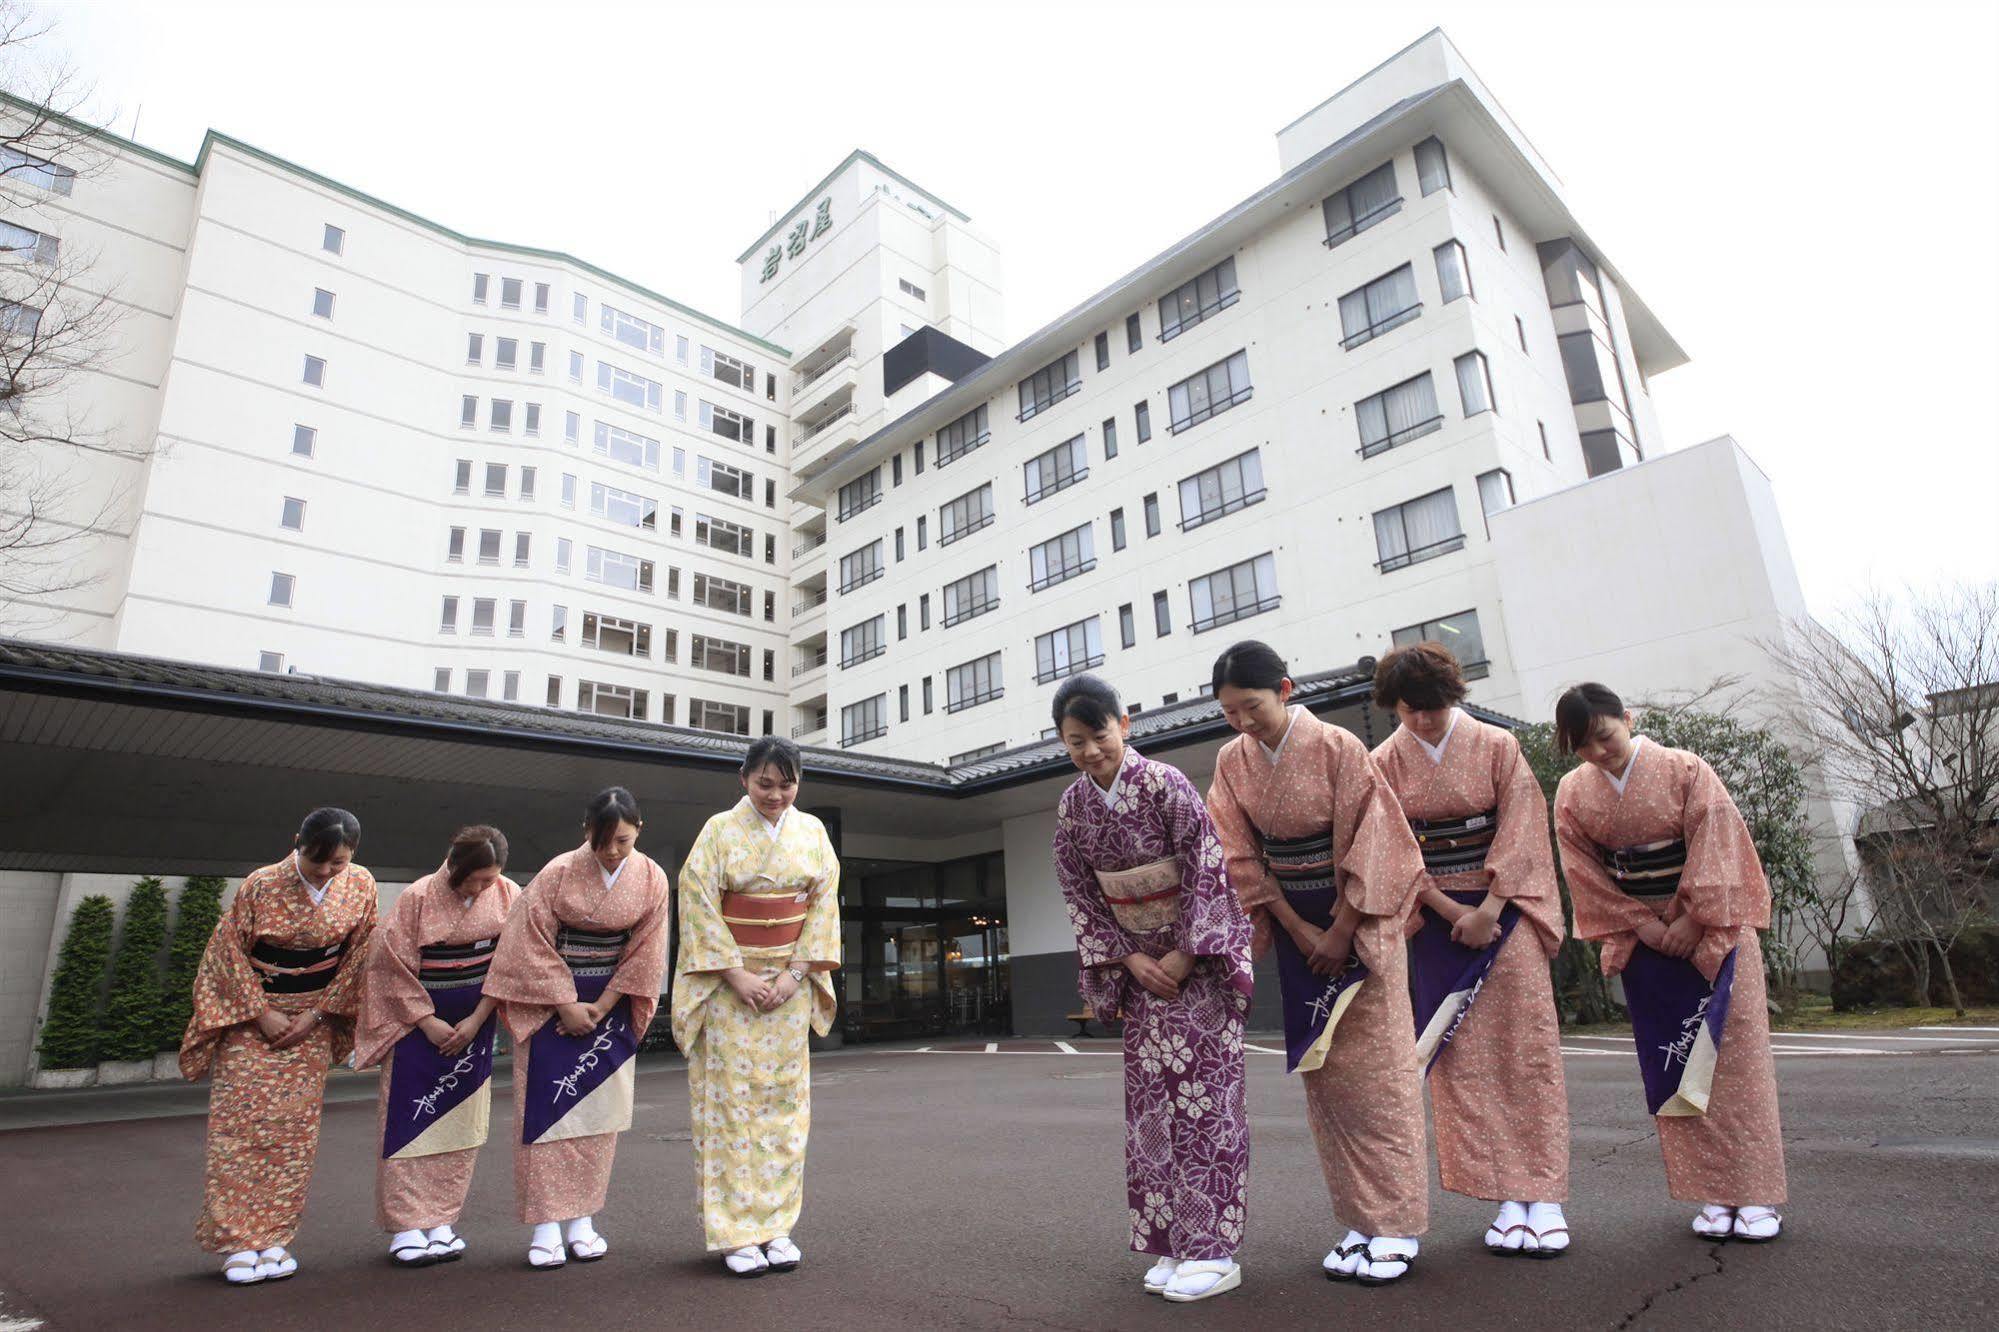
x,y
1141,871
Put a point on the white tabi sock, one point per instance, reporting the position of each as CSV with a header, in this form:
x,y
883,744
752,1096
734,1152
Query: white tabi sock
x,y
547,1238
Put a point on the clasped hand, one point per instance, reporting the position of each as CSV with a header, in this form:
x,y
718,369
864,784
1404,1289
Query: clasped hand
x,y
766,996
284,1032
1326,951
1160,976
1678,939
580,1019
450,1039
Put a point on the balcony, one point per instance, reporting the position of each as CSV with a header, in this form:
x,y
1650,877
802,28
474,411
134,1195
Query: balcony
x,y
809,388
808,731
807,662
812,600
812,542
808,433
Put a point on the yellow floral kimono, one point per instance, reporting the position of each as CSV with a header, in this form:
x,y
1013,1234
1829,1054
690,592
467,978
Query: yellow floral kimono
x,y
747,1072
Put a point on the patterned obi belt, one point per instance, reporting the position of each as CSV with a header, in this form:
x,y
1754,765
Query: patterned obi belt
x,y
588,953
1456,846
1301,862
1145,897
451,966
761,920
295,970
1651,870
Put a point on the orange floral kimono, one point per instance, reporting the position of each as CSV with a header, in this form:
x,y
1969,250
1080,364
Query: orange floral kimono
x,y
429,958
1496,1087
572,938
275,948
1729,1149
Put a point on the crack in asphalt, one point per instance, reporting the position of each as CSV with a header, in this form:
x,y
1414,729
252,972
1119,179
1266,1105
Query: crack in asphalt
x,y
1603,1158
1013,1317
1714,1256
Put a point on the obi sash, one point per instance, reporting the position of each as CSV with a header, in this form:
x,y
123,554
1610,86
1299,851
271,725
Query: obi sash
x,y
1303,868
295,970
453,966
1145,897
1677,1019
1445,976
580,1086
765,921
434,1102
1456,846
1651,870
590,953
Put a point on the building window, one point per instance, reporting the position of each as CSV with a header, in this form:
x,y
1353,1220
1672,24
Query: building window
x,y
1418,530
922,531
510,689
333,240
475,348
541,298
447,618
537,357
1397,415
974,755
482,616
1110,438
965,515
963,435
636,332
902,702
929,702
1546,452
292,516
1061,558
523,545
724,718
563,549
273,662
1162,615
722,594
322,303
1134,337
1232,594
558,624
1127,630
454,548
895,469
900,555
719,655
863,642
923,612
461,483
1475,383
440,680
531,420
554,691
1433,169
1453,273
606,700
510,293
1367,201
1058,469
517,619
479,281
1498,232
568,499
727,537
614,568
304,440
1142,415
623,507
468,412
721,366
1152,514
1520,332
971,596
489,546
626,387
579,308
902,622
1072,649
1117,529
1459,633
496,480
918,450
1592,371
1188,304
860,494
1495,492
1221,490
729,425
626,446
1209,393
973,683
725,480
500,417
1049,385
862,567
315,371
1103,345
1385,303
863,721
910,289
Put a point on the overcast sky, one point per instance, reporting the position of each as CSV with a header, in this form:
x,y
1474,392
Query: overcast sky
x,y
1807,195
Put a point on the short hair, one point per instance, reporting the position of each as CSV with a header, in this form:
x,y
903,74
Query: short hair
x,y
327,831
1423,675
1250,665
479,847
776,752
607,809
1088,700
1576,712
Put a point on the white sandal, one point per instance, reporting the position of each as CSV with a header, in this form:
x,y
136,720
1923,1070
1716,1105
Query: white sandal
x,y
1160,1275
782,1254
446,1244
1549,1228
243,1269
1714,1221
552,1256
1756,1224
1507,1235
276,1263
1203,1278
1347,1257
411,1248
1397,1254
748,1261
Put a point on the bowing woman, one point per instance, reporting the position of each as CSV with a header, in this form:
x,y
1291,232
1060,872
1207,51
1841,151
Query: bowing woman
x,y
1325,863
426,1019
274,1004
1163,944
1489,922
1665,876
577,973
759,940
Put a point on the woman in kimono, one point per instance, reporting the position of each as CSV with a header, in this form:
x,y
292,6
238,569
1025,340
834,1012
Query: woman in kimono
x,y
759,940
274,1003
1163,944
426,1019
1490,921
1664,875
1324,862
577,974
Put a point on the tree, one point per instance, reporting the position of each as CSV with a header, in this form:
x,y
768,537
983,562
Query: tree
x,y
58,320
199,908
69,1034
1900,696
132,1013
1577,967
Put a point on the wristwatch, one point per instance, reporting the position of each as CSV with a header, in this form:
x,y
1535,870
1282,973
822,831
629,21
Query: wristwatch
x,y
799,975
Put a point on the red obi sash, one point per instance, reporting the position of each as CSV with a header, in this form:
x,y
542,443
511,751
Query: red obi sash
x,y
759,921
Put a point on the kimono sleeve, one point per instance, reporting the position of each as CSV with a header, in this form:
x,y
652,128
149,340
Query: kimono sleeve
x,y
818,947
1101,943
1522,858
1723,886
393,999
1242,849
342,998
1603,912
643,964
705,941
1380,864
227,990
1212,923
527,966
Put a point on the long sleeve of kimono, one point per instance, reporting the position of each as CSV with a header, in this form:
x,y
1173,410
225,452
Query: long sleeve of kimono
x,y
1101,943
1242,848
1723,886
705,941
227,990
527,966
818,947
393,999
642,967
1212,923
1602,912
1382,864
342,998
1522,858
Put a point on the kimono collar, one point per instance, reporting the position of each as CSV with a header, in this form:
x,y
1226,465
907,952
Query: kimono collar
x,y
318,891
1289,726
747,808
1436,751
1619,781
610,877
1115,791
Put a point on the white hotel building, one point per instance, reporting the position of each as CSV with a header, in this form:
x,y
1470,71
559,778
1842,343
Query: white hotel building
x,y
1397,393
